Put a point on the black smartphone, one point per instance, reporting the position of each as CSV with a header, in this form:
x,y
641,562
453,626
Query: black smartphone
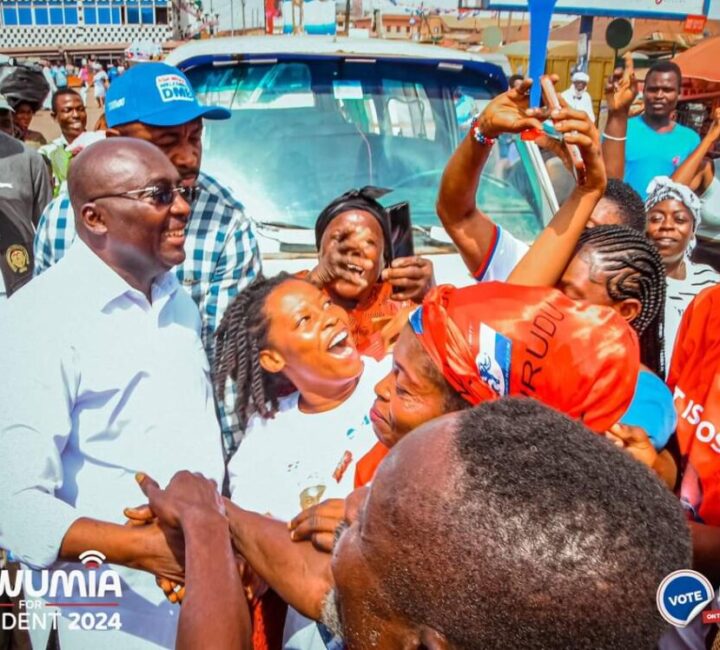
x,y
401,224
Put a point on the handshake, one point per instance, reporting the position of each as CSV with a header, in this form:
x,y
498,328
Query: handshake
x,y
188,505
188,508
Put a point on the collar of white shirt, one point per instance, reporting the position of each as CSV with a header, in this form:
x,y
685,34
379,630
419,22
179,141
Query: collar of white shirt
x,y
106,289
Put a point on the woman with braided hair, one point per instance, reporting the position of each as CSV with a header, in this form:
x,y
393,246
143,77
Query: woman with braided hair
x,y
303,397
619,267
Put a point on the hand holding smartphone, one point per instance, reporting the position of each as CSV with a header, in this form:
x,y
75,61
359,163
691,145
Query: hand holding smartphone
x,y
553,103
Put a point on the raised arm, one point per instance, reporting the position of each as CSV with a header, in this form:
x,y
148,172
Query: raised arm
x,y
470,228
621,91
214,590
692,171
545,262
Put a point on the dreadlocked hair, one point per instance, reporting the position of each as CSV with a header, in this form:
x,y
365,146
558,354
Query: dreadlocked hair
x,y
634,269
242,334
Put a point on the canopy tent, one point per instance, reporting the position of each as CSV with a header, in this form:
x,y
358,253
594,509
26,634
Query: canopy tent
x,y
701,61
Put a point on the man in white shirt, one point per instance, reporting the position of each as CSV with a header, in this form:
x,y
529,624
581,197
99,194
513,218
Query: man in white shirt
x,y
577,95
109,378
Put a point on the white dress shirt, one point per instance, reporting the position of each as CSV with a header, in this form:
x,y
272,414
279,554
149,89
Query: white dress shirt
x,y
99,384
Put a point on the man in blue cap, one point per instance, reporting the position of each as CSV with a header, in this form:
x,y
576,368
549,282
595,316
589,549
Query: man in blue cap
x,y
155,102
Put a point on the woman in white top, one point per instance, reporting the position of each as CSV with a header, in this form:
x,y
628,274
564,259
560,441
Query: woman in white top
x,y
304,394
674,215
100,82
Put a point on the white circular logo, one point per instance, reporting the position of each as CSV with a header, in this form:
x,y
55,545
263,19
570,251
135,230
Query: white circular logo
x,y
682,595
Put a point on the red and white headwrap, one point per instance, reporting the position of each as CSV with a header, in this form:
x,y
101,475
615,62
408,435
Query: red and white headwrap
x,y
494,339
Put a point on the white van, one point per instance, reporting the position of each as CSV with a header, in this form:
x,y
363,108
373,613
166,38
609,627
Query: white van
x,y
313,117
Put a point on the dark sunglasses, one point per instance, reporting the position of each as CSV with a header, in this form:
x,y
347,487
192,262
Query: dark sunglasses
x,y
160,195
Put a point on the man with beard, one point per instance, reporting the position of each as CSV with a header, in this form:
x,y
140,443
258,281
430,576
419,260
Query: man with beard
x,y
504,526
155,102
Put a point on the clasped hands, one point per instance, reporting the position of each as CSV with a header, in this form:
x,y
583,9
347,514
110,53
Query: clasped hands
x,y
190,500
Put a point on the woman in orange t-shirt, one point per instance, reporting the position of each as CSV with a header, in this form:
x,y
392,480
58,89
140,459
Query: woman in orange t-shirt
x,y
358,270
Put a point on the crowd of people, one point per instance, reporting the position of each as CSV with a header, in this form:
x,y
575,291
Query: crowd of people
x,y
354,456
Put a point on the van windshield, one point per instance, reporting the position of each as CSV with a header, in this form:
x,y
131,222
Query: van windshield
x,y
305,131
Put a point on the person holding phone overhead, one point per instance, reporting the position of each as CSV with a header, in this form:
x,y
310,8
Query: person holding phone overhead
x,y
358,269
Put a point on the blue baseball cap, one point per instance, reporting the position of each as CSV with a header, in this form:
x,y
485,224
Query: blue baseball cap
x,y
155,94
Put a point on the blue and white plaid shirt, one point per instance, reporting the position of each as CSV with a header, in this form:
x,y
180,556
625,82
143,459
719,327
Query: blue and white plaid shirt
x,y
221,258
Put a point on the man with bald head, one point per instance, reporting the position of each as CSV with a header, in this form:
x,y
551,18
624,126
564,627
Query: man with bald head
x,y
156,103
109,376
504,526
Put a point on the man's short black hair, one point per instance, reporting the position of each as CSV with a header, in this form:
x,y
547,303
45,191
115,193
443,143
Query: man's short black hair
x,y
60,93
541,535
630,204
661,67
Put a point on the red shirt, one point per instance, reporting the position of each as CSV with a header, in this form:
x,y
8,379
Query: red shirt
x,y
695,379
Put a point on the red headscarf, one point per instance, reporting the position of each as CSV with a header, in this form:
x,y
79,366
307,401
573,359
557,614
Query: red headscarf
x,y
494,339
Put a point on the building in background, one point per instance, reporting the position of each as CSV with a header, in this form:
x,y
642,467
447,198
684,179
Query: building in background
x,y
27,24
222,17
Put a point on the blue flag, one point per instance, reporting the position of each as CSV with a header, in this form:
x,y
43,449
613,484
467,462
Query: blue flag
x,y
540,15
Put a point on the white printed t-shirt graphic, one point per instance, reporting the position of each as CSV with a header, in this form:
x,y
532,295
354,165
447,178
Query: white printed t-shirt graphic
x,y
293,452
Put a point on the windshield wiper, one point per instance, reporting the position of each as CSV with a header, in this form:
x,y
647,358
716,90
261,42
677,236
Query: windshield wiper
x,y
279,225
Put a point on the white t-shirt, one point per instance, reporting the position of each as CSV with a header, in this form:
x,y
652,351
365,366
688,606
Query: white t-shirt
x,y
502,257
680,294
294,451
99,80
282,456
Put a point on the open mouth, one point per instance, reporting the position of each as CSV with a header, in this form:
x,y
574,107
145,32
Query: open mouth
x,y
340,346
356,270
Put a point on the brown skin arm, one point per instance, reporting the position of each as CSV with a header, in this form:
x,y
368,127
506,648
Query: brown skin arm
x,y
637,443
153,548
214,591
548,257
706,550
299,574
695,172
666,469
471,230
621,91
